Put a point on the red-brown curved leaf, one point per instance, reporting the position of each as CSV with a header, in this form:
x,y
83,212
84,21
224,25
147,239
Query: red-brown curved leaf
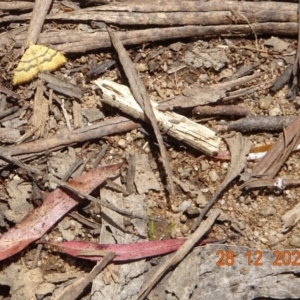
x,y
55,206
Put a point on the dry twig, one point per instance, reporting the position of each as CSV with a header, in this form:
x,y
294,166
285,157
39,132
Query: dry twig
x,y
140,94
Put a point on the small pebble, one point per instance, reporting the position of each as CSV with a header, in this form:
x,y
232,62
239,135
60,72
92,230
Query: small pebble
x,y
213,175
274,111
192,211
184,229
295,241
265,102
201,200
122,143
267,211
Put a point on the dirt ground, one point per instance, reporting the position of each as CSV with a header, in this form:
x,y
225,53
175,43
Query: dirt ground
x,y
251,218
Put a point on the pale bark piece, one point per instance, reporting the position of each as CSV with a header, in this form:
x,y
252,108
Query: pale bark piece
x,y
199,277
175,125
128,278
193,97
144,177
40,110
16,5
9,135
291,217
77,115
19,193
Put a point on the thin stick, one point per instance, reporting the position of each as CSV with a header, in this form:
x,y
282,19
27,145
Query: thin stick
x,y
74,290
140,94
181,253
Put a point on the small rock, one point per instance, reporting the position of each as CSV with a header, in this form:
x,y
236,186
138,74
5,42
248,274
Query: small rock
x,y
203,78
92,114
192,211
213,175
176,46
153,66
265,102
201,200
241,225
204,165
184,229
141,67
44,289
183,218
182,207
263,240
295,241
267,211
122,143
275,111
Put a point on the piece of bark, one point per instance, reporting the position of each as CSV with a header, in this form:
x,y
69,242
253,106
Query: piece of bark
x,y
294,82
187,13
9,135
101,68
65,138
141,97
175,125
131,171
16,5
26,135
37,19
8,112
77,115
61,86
40,110
282,79
291,217
221,110
9,92
277,184
204,275
190,6
192,97
261,124
71,41
270,164
16,114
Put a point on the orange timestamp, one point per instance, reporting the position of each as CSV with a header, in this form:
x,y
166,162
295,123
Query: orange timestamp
x,y
226,258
